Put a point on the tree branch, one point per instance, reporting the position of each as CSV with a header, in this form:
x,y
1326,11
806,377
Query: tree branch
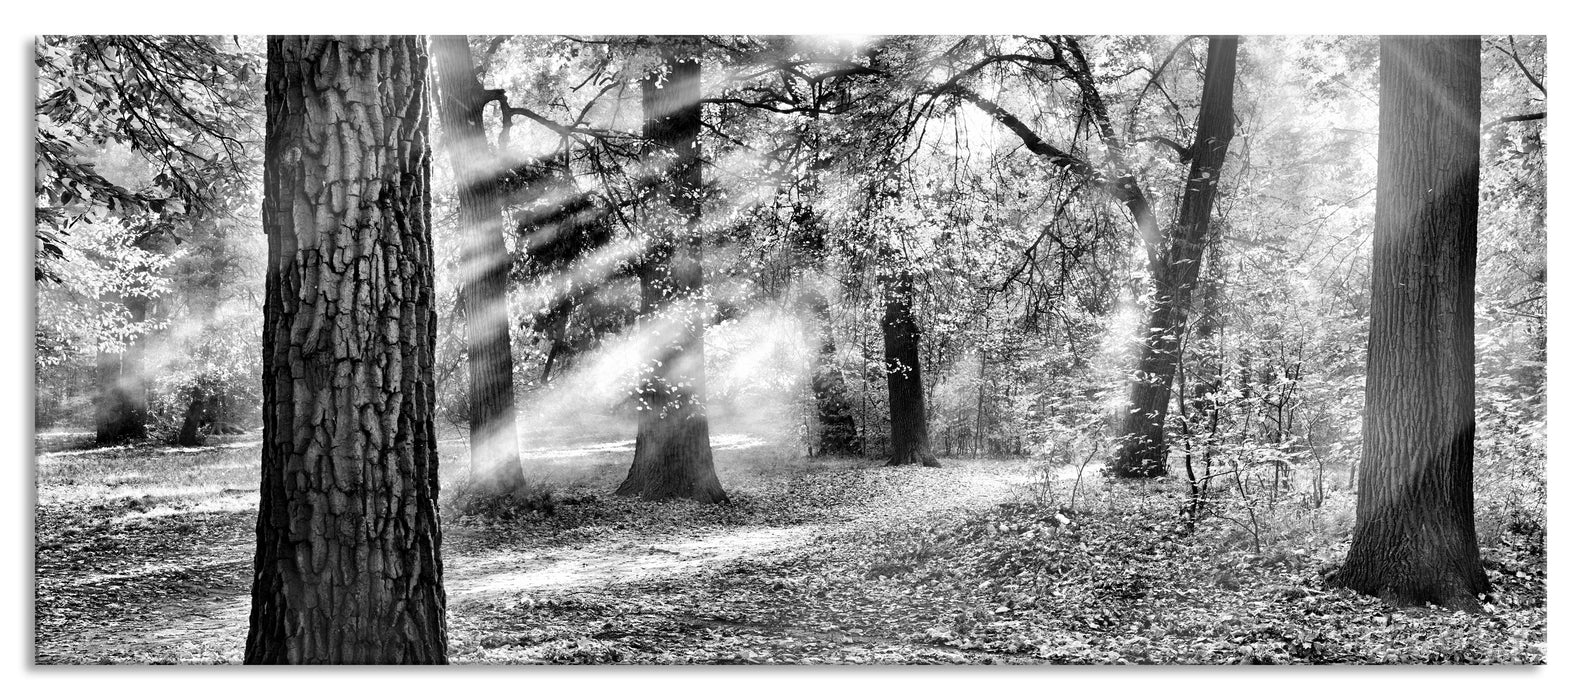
x,y
1153,82
1029,138
1515,118
1182,151
790,108
1523,66
507,112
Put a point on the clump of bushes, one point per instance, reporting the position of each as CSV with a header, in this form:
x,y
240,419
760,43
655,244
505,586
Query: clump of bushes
x,y
535,501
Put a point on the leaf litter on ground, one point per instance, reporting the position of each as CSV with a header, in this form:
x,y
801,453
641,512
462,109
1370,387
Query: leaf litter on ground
x,y
811,562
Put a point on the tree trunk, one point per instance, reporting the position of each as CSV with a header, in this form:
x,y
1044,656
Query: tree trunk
x,y
1414,541
908,413
836,428
673,458
115,418
347,568
491,396
1142,450
556,329
121,407
201,411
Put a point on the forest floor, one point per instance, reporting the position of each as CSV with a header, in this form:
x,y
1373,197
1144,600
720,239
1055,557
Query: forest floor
x,y
144,555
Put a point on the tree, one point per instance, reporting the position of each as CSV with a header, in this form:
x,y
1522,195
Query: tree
x,y
174,101
834,427
121,264
1174,253
1174,267
809,82
898,327
904,372
173,105
347,568
673,458
1414,540
491,415
120,411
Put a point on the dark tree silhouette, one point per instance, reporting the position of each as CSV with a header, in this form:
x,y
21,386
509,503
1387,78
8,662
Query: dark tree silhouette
x,y
347,568
908,412
1415,541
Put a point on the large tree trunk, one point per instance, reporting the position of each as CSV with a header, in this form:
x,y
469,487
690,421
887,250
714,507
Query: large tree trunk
x,y
908,413
347,568
491,397
1143,451
121,407
673,458
1414,541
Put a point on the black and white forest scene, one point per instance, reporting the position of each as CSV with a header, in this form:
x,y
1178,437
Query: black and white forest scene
x,y
788,349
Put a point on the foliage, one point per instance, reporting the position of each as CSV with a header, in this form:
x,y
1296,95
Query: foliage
x,y
174,101
114,264
812,562
831,164
212,369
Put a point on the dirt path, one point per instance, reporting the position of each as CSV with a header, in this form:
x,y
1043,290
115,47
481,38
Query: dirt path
x,y
632,556
563,569
194,609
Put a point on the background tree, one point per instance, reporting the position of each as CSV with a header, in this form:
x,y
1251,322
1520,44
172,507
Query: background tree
x,y
1174,253
673,458
347,567
974,197
166,118
1175,262
491,414
1415,540
836,429
131,257
904,370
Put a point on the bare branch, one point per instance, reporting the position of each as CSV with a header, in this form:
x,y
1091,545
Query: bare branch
x,y
1153,81
1029,138
789,108
507,112
1182,151
1516,118
1519,64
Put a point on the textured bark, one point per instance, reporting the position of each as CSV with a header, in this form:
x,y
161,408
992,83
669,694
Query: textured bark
x,y
1415,541
1142,450
491,396
673,458
347,568
121,407
908,413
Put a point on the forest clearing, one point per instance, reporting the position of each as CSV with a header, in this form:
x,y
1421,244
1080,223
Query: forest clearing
x,y
144,557
767,349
